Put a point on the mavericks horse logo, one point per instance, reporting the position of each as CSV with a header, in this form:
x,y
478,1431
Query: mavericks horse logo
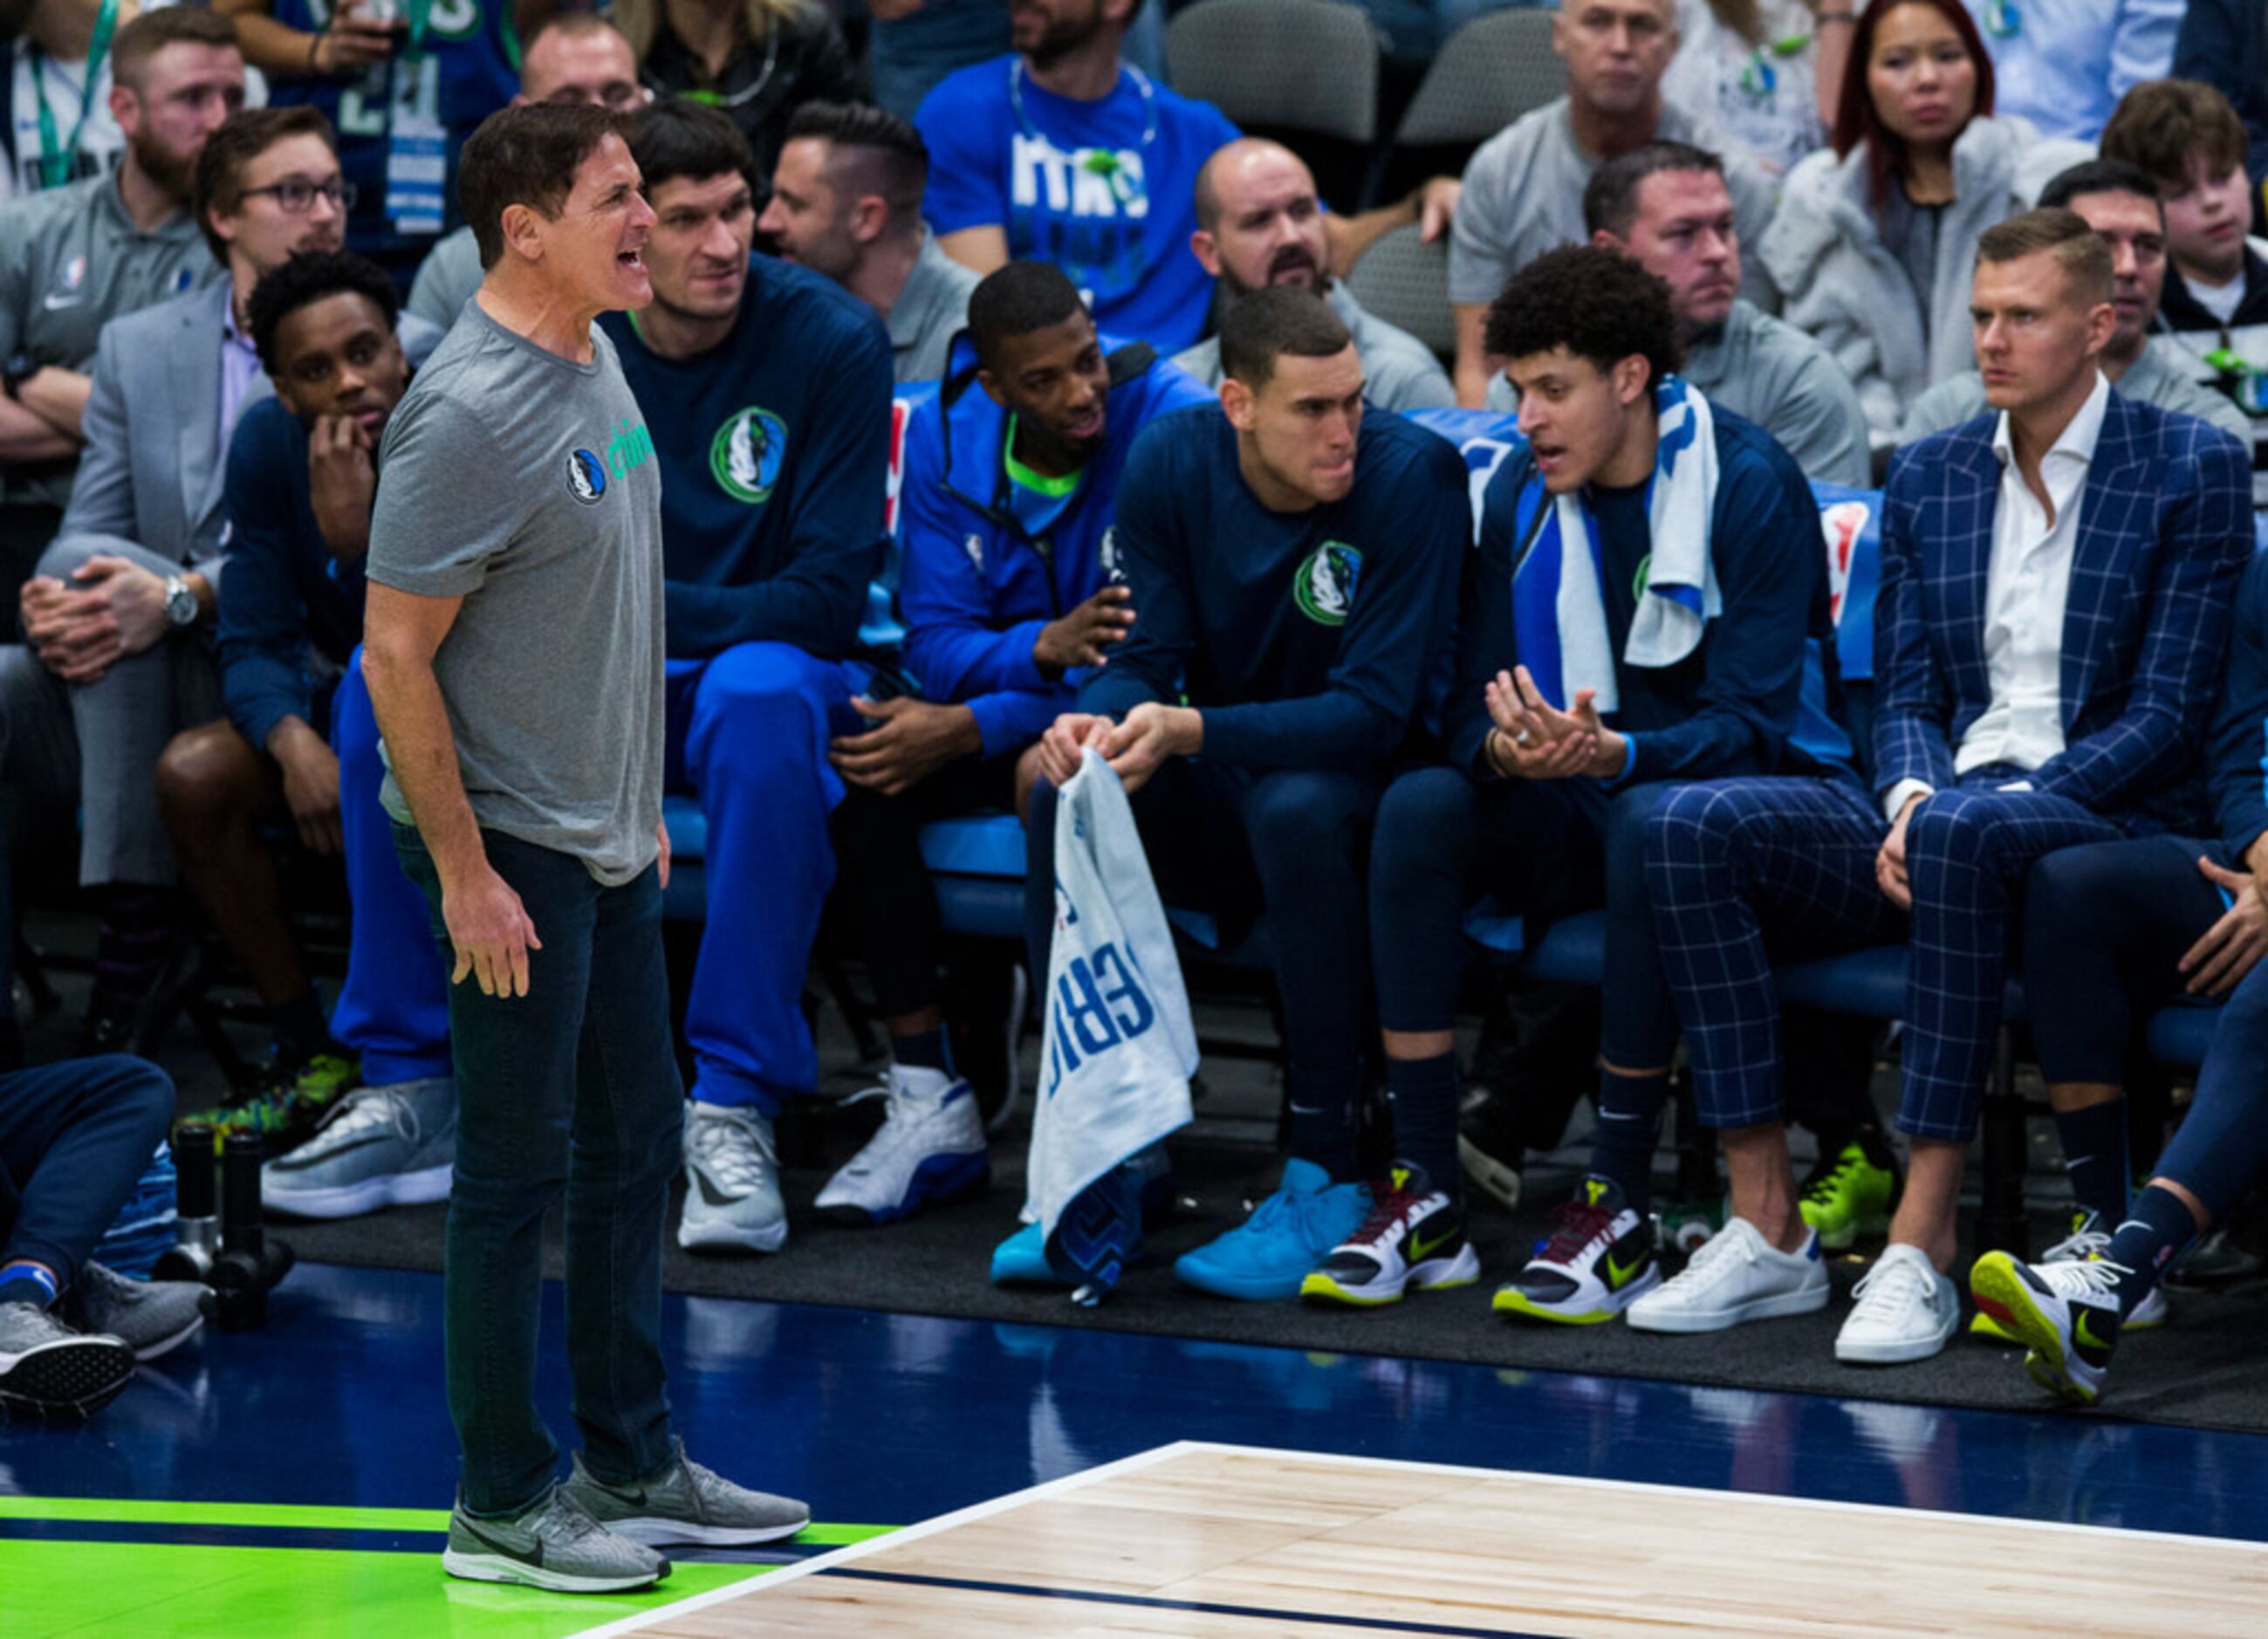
x,y
748,452
586,475
1324,586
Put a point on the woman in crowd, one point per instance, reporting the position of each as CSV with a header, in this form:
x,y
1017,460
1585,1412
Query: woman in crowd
x,y
1746,66
1875,238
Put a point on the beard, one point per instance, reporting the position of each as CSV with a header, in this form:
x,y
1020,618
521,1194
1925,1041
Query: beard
x,y
169,170
1063,36
1291,256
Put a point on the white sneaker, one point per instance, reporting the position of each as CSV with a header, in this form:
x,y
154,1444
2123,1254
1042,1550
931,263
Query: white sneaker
x,y
1906,1311
930,1148
732,1182
1737,1276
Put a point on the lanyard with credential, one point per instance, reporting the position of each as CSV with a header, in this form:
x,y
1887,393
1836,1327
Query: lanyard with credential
x,y
55,156
416,146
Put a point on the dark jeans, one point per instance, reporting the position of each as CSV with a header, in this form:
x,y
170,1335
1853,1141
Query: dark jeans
x,y
74,1139
573,1085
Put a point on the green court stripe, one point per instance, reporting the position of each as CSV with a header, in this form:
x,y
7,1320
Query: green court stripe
x,y
130,1512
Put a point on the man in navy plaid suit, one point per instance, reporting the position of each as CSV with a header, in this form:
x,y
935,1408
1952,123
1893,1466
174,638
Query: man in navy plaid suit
x,y
2056,585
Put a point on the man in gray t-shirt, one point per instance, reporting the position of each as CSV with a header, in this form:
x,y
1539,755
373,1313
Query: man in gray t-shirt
x,y
513,648
1523,190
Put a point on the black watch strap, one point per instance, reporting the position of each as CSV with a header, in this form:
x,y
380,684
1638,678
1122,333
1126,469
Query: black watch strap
x,y
20,369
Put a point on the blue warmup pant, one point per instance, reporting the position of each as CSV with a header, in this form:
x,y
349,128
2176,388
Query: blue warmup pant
x,y
393,1005
1543,849
748,733
1741,871
1232,842
74,1139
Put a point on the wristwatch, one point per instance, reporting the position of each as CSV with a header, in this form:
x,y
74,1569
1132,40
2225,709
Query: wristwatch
x,y
20,368
181,603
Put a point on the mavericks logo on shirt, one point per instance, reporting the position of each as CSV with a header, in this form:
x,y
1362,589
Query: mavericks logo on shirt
x,y
1324,586
586,475
748,453
589,473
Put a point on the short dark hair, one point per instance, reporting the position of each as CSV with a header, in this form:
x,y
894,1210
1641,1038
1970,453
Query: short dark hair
x,y
1597,304
242,138
895,154
1611,197
2079,250
1267,324
675,138
1016,300
525,155
151,32
2101,176
2160,123
308,277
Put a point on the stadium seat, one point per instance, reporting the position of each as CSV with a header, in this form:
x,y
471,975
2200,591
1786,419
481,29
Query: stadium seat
x,y
1492,71
1305,72
1405,282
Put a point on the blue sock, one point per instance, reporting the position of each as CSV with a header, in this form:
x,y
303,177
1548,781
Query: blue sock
x,y
24,1281
2094,1156
1424,1095
1630,1125
2157,1226
928,1050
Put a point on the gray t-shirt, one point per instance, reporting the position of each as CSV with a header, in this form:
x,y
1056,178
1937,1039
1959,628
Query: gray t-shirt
x,y
1523,196
527,484
1404,374
447,278
930,312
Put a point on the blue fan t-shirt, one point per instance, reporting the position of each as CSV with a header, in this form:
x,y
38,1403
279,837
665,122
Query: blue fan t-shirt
x,y
1104,190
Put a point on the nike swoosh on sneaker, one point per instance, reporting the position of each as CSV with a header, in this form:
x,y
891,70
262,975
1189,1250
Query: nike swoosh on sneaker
x,y
1419,1246
345,1147
1618,1274
710,1192
2087,1338
532,1554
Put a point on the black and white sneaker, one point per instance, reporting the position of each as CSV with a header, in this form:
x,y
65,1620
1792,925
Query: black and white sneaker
x,y
48,1370
1414,1236
1600,1256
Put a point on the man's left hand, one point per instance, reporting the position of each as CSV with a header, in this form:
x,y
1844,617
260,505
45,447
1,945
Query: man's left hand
x,y
910,740
2231,946
1518,708
1140,746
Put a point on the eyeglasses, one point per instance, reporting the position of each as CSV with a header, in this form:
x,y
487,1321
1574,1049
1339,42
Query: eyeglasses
x,y
295,196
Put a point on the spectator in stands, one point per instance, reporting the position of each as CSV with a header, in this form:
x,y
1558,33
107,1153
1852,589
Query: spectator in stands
x,y
2215,313
2120,202
1523,190
1293,566
768,393
846,202
2076,511
1666,206
74,258
2063,70
1063,154
913,44
59,66
1873,243
1260,223
2224,44
1749,67
1012,480
117,622
74,1139
1563,735
573,57
299,748
2111,932
758,61
401,86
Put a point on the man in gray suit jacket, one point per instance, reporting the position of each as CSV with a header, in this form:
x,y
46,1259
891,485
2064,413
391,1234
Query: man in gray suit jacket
x,y
118,621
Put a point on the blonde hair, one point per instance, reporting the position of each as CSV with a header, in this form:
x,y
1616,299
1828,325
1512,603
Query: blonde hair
x,y
640,20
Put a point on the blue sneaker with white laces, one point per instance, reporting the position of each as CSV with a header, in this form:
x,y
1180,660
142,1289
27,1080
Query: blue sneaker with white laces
x,y
1270,1252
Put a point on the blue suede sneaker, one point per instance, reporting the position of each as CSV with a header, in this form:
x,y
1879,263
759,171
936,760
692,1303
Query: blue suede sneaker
x,y
1270,1252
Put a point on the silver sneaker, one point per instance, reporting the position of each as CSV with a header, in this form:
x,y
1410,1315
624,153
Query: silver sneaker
x,y
687,1503
378,1146
732,1182
148,1316
553,1544
47,1369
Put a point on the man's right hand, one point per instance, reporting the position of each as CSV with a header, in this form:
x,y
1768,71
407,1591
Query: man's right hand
x,y
1890,863
341,483
351,44
1064,741
311,784
1086,635
490,930
69,628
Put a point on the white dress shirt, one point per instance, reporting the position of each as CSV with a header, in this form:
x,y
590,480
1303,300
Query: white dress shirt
x,y
2027,585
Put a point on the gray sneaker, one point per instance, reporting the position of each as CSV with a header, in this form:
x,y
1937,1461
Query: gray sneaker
x,y
687,1503
732,1182
554,1543
378,1147
148,1316
47,1369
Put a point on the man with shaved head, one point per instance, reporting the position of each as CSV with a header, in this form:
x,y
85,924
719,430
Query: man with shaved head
x,y
1260,223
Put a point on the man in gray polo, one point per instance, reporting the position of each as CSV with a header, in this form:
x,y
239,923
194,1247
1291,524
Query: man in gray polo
x,y
74,258
1523,190
512,643
2120,202
846,202
1260,223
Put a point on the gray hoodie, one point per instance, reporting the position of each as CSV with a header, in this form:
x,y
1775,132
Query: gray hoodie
x,y
1842,285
